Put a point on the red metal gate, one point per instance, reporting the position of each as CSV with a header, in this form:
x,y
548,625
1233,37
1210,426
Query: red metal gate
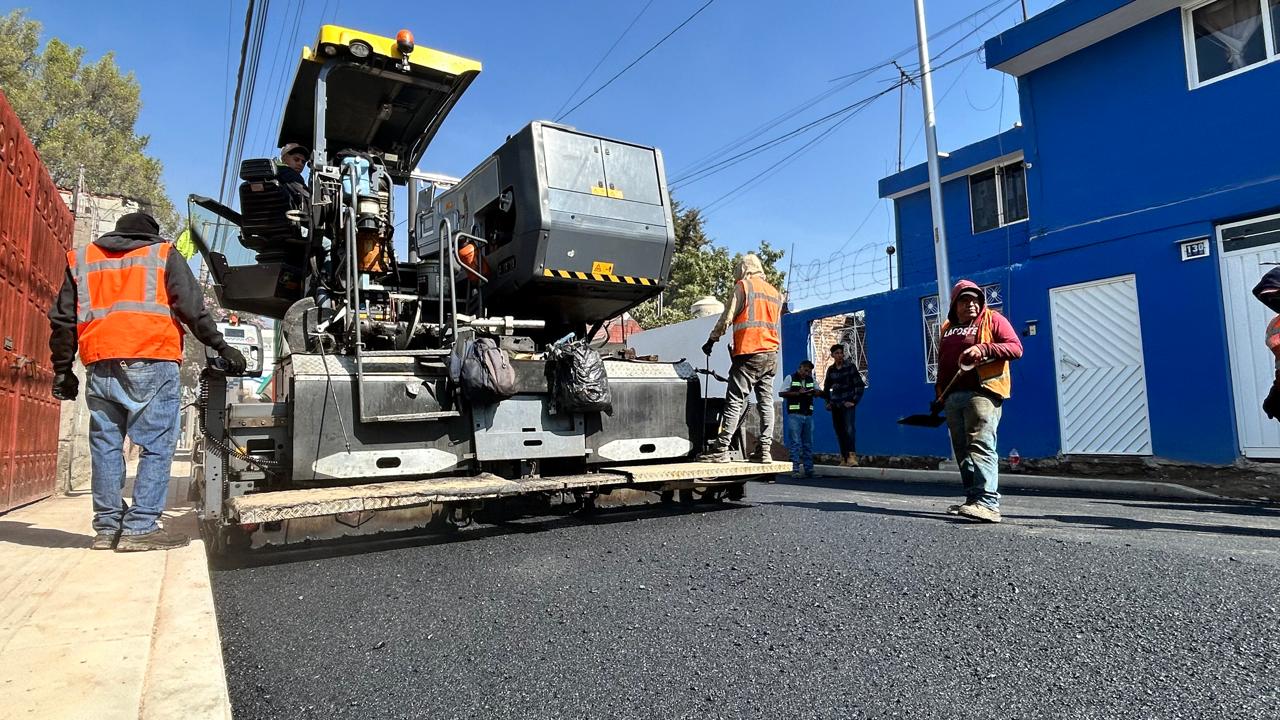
x,y
35,234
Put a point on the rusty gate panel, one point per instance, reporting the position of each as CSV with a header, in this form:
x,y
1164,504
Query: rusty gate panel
x,y
35,233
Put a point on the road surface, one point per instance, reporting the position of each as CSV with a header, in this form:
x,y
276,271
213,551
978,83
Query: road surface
x,y
817,600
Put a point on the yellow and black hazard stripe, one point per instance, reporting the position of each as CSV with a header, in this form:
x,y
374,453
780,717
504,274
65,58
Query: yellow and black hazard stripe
x,y
598,277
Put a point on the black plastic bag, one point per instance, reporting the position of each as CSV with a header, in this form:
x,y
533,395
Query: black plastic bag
x,y
579,379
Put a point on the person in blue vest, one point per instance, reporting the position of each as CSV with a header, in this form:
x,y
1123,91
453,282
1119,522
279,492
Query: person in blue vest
x,y
799,389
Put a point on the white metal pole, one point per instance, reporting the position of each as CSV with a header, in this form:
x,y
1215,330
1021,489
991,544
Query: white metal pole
x,y
935,180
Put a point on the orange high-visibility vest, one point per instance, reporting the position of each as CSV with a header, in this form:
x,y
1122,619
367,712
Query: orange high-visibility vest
x,y
757,328
122,305
1273,338
993,375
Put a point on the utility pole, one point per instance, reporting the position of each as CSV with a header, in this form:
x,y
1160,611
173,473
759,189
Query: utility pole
x,y
935,178
786,291
902,90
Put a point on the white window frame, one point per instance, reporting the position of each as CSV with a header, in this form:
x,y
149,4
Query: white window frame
x,y
999,196
1189,45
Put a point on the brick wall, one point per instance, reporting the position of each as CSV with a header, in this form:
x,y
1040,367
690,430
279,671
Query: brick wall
x,y
825,332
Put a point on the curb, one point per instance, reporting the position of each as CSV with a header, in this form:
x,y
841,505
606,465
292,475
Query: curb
x,y
1142,489
185,676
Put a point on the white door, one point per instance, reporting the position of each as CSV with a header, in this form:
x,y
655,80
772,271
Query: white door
x,y
1243,248
1102,384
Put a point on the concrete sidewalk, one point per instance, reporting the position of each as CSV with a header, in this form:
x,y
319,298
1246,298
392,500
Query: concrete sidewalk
x,y
87,634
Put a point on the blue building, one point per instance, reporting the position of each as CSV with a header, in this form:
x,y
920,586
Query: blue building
x,y
1120,228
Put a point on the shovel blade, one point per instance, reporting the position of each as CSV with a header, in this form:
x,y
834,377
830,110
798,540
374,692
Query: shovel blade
x,y
932,421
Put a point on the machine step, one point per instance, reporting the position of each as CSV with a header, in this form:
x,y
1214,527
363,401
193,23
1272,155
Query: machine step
x,y
319,502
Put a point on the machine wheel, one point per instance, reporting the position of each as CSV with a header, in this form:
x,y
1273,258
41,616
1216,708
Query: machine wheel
x,y
687,497
667,497
736,491
458,517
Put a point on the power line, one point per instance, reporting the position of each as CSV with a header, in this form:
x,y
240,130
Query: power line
x,y
762,129
790,156
272,73
632,64
851,112
250,87
276,88
912,47
235,107
699,169
729,162
604,57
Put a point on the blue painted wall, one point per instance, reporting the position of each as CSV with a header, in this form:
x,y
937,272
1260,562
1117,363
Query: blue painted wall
x,y
1119,145
968,253
1125,161
1183,335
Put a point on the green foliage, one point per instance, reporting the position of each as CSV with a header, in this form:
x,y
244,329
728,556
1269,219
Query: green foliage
x,y
700,268
77,113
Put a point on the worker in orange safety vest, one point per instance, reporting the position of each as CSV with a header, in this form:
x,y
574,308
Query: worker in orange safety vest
x,y
755,314
123,302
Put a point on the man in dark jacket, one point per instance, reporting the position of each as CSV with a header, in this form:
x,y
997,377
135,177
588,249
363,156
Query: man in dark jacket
x,y
974,351
845,387
120,306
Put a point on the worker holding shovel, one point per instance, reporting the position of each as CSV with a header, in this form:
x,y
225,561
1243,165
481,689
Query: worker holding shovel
x,y
974,351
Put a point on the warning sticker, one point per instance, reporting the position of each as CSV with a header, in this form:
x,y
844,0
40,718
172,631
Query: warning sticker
x,y
602,268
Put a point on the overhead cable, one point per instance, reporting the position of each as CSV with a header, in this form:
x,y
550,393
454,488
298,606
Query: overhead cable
x,y
604,57
632,64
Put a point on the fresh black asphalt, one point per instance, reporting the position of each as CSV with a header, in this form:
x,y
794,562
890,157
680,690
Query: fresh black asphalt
x,y
805,601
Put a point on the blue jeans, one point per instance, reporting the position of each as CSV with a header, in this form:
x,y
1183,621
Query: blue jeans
x,y
972,418
800,441
138,398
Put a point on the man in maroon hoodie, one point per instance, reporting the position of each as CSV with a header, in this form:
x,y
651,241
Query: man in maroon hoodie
x,y
976,337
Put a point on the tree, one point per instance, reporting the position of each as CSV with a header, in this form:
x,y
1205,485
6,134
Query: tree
x,y
81,114
700,268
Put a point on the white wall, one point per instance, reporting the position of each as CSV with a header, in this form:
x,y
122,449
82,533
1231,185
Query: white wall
x,y
684,341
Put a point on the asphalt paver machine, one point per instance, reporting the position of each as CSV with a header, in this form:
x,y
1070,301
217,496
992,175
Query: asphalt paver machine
x,y
552,235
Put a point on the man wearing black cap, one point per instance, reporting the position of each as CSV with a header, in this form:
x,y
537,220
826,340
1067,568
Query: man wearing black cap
x,y
124,300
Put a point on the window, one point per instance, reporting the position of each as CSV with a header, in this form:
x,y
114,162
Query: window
x,y
1227,36
998,196
848,330
932,323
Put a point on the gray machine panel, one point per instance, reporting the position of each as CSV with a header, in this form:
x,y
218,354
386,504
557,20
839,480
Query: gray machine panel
x,y
330,443
631,173
591,208
633,431
522,428
573,162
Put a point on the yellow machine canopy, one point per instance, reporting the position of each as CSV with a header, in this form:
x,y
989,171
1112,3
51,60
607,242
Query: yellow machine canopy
x,y
366,92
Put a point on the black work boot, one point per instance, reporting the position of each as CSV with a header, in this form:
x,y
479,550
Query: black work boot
x,y
714,456
105,540
158,539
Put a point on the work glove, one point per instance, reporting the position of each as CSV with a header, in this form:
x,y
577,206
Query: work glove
x,y
1271,405
66,386
234,360
707,347
936,407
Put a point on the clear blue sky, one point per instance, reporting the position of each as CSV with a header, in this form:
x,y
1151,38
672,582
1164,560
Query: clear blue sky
x,y
736,66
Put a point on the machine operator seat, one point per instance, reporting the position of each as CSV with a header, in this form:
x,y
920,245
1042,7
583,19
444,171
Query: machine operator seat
x,y
274,211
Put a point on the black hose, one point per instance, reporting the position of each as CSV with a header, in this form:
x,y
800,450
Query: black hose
x,y
202,403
